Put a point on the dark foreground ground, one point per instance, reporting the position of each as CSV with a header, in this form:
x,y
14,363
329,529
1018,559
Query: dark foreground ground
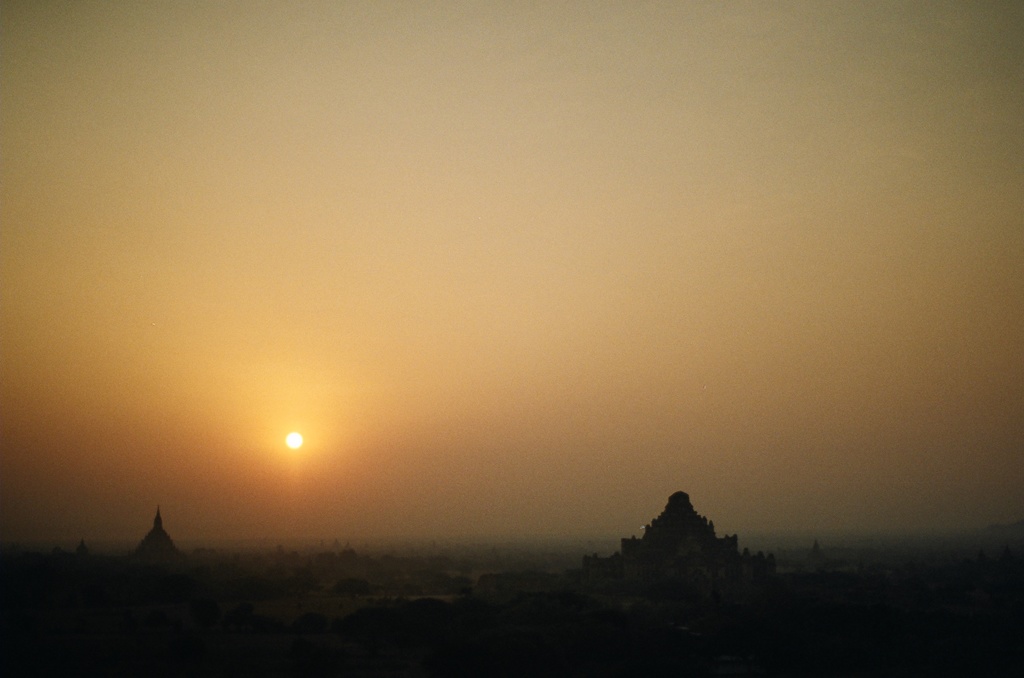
x,y
339,613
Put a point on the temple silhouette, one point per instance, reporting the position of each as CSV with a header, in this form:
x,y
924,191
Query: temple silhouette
x,y
680,545
157,546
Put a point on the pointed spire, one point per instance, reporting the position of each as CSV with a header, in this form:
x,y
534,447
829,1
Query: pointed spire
x,y
158,523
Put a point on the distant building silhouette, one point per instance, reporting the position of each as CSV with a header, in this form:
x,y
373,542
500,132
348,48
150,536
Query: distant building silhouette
x,y
680,545
157,546
816,558
82,550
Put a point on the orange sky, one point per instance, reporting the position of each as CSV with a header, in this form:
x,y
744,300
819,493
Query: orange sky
x,y
510,268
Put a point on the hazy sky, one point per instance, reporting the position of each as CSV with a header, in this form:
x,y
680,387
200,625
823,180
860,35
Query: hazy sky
x,y
511,268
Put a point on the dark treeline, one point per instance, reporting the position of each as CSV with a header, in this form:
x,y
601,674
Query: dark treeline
x,y
343,613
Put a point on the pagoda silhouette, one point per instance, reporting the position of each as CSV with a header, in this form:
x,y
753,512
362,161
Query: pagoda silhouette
x,y
680,545
157,546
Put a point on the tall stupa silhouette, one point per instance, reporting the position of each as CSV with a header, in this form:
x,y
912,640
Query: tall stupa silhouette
x,y
157,546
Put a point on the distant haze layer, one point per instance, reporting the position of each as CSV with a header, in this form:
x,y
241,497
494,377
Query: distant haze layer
x,y
509,269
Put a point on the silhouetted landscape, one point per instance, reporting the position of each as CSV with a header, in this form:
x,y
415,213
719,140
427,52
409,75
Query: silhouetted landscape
x,y
678,601
482,338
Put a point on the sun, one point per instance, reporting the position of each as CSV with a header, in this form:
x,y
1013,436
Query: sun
x,y
294,440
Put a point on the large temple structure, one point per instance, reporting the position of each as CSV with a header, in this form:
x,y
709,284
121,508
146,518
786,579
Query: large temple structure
x,y
680,545
157,546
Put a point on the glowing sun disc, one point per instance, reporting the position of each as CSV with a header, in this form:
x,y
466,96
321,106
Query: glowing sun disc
x,y
294,440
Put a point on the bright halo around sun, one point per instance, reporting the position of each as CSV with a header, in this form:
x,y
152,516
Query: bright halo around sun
x,y
294,440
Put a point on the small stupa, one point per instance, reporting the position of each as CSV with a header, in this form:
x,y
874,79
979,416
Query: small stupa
x,y
157,546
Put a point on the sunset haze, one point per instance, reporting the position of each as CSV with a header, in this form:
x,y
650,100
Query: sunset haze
x,y
510,269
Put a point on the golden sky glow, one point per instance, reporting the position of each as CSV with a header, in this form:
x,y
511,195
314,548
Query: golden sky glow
x,y
511,268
